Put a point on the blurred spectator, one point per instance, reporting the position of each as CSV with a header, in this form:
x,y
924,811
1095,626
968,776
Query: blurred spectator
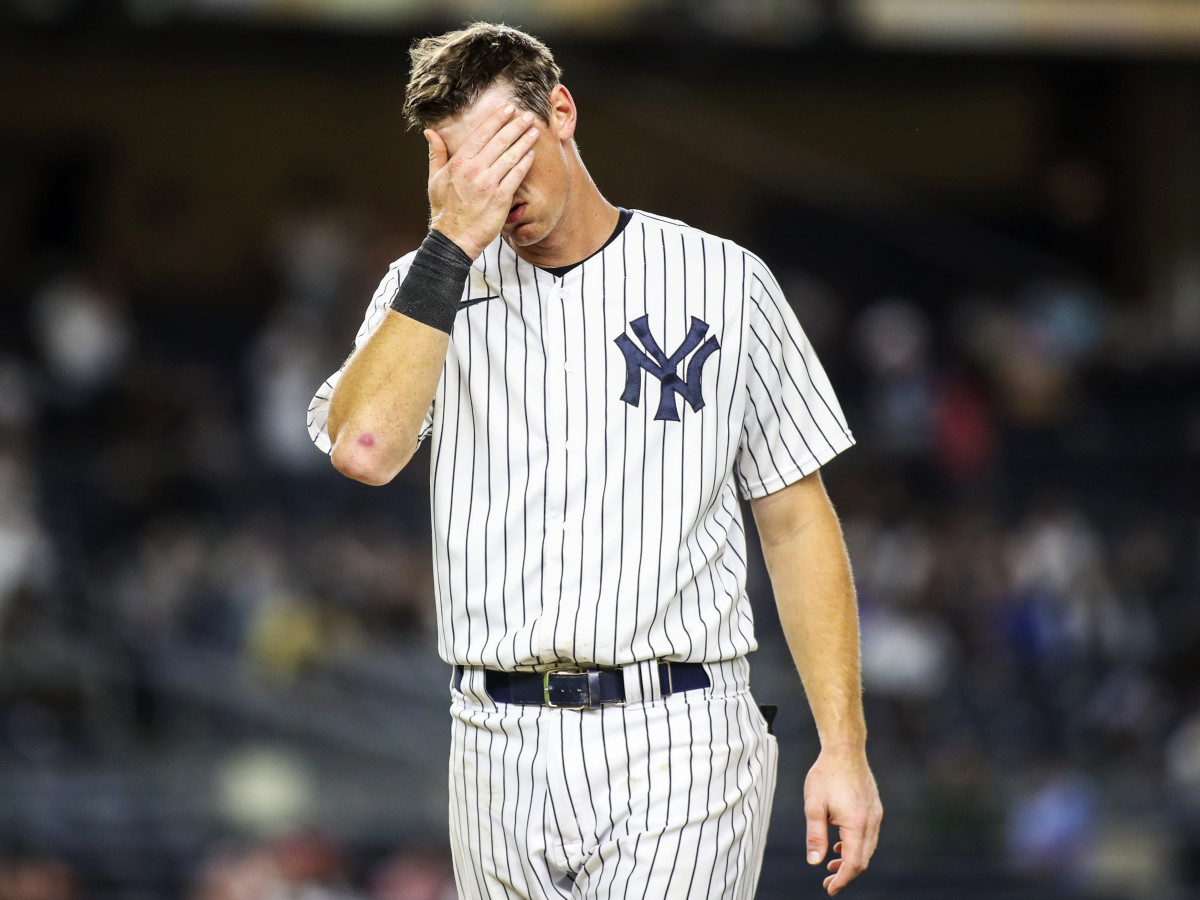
x,y
84,334
284,370
311,866
165,584
892,337
18,405
1183,761
964,815
286,635
238,875
906,655
299,865
965,434
312,252
1066,607
1183,787
35,878
1053,826
418,874
25,550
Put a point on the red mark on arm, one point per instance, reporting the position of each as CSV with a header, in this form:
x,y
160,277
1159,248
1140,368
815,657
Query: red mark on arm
x,y
366,439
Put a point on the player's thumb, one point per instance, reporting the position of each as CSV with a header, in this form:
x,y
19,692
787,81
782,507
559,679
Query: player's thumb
x,y
817,843
437,150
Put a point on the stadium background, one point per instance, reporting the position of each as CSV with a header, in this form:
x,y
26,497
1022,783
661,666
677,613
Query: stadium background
x,y
217,675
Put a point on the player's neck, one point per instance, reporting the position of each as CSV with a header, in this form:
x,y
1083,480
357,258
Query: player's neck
x,y
587,223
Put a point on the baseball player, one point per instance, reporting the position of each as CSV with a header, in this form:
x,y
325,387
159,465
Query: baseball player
x,y
598,383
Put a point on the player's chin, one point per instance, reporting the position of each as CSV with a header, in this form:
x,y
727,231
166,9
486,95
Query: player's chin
x,y
523,233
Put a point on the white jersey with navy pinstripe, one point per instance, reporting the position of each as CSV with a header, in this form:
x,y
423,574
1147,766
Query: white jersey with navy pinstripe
x,y
590,433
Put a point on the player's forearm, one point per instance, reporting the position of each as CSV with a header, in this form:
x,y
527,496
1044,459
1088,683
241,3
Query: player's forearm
x,y
814,592
380,402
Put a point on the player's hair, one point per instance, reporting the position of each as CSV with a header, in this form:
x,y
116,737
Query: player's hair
x,y
450,72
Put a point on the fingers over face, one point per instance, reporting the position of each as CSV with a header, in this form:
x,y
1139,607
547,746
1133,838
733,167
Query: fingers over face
x,y
513,178
507,138
478,139
515,156
437,151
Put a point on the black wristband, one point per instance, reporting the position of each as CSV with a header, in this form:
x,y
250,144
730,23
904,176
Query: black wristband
x,y
434,284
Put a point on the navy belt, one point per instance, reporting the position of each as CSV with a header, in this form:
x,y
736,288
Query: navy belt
x,y
578,688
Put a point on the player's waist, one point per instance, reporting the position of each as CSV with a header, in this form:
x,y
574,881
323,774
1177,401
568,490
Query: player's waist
x,y
593,687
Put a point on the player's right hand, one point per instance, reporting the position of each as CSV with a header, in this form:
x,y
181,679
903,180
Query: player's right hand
x,y
471,192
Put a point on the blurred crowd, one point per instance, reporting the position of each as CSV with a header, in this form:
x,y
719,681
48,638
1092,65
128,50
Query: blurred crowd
x,y
1022,512
303,864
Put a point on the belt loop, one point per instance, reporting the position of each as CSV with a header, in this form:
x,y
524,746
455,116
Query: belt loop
x,y
643,682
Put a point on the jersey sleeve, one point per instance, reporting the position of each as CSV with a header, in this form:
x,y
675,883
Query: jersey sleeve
x,y
318,409
793,423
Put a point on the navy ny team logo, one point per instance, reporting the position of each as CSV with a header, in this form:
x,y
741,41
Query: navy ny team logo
x,y
665,368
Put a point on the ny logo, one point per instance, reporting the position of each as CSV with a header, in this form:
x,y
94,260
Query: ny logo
x,y
663,367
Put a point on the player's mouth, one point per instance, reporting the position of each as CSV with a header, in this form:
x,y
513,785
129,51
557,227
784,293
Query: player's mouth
x,y
515,213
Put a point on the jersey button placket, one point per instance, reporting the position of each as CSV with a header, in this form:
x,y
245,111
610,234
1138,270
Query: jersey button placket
x,y
574,634
556,475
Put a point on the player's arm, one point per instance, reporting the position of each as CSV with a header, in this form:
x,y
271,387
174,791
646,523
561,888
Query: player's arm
x,y
810,574
378,406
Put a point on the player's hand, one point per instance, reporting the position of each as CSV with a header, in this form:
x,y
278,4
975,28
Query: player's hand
x,y
471,192
840,790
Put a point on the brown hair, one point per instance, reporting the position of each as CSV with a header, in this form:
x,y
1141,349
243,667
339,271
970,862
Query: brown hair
x,y
450,72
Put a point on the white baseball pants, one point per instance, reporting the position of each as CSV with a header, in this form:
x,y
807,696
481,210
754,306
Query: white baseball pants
x,y
663,797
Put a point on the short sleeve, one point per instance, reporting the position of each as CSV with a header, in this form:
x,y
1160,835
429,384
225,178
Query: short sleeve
x,y
793,423
318,409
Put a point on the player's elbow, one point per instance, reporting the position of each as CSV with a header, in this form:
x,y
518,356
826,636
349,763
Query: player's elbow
x,y
368,461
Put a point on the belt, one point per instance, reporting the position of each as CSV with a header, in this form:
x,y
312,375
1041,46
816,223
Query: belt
x,y
578,688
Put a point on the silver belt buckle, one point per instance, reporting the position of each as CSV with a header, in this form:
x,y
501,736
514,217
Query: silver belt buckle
x,y
593,677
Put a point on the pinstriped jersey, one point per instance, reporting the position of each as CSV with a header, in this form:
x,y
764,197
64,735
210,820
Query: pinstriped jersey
x,y
590,433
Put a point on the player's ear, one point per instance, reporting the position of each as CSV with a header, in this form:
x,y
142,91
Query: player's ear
x,y
562,113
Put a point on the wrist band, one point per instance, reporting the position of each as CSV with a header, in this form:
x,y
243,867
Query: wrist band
x,y
434,284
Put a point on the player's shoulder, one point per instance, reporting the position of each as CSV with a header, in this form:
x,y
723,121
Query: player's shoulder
x,y
652,222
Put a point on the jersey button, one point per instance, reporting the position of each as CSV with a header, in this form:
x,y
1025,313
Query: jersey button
x,y
569,366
